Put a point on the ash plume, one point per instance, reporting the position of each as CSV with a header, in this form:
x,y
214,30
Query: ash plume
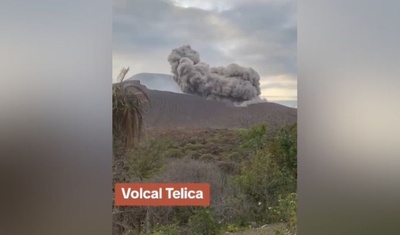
x,y
232,83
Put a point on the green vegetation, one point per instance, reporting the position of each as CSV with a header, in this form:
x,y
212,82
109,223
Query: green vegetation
x,y
252,174
204,221
173,153
170,229
286,211
208,157
144,159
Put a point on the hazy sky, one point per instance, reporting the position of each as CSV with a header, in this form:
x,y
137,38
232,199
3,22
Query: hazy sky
x,y
261,34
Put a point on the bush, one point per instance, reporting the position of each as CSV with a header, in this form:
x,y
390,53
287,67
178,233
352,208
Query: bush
x,y
286,210
284,148
146,159
254,181
192,146
188,170
173,153
254,138
263,182
208,157
228,167
204,222
193,171
270,172
232,228
235,156
193,154
171,229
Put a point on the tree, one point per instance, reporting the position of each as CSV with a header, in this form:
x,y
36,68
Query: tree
x,y
129,103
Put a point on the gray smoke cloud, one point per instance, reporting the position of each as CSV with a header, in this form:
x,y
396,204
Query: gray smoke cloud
x,y
232,83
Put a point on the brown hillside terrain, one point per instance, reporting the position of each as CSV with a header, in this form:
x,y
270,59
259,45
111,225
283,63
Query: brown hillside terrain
x,y
171,110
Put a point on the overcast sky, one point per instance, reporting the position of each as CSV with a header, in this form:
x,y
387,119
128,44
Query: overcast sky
x,y
261,34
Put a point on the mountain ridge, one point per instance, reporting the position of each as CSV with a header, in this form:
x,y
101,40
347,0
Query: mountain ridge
x,y
170,110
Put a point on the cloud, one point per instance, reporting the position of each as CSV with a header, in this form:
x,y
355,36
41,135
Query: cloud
x,y
278,88
261,34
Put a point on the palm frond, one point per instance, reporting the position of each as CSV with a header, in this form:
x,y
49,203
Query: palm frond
x,y
122,74
129,104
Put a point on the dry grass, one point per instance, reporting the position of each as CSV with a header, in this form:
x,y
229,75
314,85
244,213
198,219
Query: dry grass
x,y
270,229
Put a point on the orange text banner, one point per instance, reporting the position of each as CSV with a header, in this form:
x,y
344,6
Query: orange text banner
x,y
162,194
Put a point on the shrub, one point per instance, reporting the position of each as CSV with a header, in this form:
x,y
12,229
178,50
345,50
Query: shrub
x,y
192,146
270,172
208,157
232,228
235,156
228,167
193,171
204,222
146,159
286,210
263,181
193,154
170,229
173,153
284,148
188,170
254,138
253,182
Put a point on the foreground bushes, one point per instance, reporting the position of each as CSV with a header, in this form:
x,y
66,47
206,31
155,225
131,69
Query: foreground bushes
x,y
252,183
286,210
203,221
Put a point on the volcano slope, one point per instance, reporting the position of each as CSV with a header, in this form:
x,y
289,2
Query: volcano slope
x,y
197,140
171,110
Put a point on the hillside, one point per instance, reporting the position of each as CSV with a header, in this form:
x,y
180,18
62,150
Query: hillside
x,y
190,139
170,110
